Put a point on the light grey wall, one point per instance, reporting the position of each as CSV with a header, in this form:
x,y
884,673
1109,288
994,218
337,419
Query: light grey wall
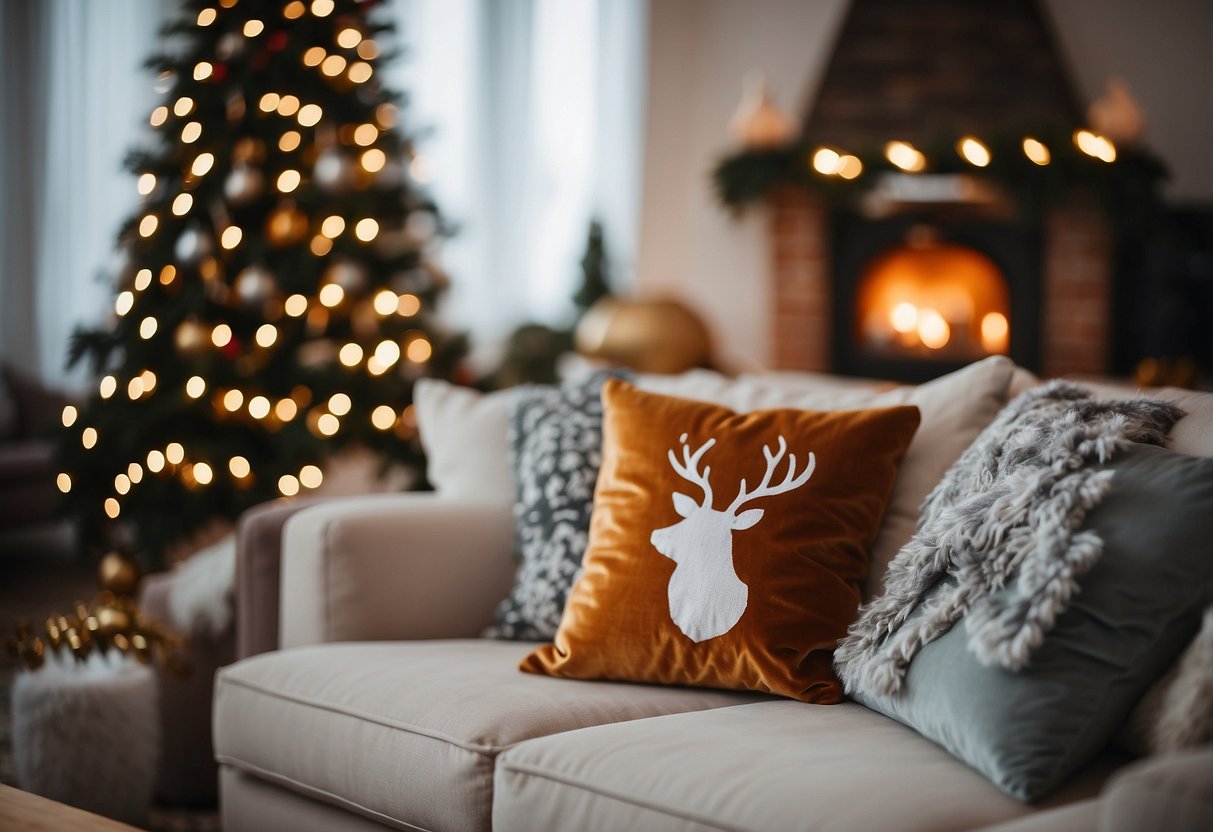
x,y
701,50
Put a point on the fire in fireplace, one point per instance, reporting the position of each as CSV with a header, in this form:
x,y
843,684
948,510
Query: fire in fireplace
x,y
934,300
931,287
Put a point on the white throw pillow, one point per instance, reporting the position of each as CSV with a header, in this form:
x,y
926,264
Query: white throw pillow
x,y
463,432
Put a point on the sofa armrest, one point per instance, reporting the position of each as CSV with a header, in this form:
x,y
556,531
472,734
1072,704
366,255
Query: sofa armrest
x,y
259,574
397,566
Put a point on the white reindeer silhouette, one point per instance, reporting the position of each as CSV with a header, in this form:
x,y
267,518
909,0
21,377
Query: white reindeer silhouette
x,y
706,596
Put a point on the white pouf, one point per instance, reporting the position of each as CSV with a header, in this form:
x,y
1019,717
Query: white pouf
x,y
87,733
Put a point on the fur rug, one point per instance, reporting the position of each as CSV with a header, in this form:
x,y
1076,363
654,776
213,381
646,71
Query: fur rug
x,y
88,733
200,600
1015,500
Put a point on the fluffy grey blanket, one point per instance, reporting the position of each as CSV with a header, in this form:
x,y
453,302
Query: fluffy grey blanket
x,y
1015,500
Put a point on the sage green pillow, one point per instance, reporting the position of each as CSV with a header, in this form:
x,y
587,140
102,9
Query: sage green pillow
x,y
1137,609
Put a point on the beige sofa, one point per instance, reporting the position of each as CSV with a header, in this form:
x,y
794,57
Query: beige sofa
x,y
382,708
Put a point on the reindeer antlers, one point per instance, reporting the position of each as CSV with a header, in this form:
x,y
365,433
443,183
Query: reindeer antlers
x,y
690,470
791,481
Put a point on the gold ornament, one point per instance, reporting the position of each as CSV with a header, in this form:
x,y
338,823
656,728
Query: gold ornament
x,y
650,336
244,184
118,574
286,225
108,623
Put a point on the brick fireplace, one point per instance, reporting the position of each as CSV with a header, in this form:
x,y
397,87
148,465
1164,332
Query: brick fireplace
x,y
909,72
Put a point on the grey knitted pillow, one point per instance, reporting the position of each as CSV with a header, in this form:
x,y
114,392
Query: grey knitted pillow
x,y
555,439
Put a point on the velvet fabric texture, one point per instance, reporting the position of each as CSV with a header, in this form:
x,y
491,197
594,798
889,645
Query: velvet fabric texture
x,y
726,550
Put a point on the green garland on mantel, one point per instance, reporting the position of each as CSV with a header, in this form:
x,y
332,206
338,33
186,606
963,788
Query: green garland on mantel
x,y
1126,188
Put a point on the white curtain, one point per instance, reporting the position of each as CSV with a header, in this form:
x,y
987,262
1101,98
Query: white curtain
x,y
535,114
73,97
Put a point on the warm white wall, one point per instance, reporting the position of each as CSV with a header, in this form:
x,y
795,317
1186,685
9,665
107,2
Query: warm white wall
x,y
699,54
1164,50
701,50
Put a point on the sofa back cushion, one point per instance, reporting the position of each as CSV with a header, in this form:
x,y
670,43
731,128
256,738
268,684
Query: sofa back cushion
x,y
726,550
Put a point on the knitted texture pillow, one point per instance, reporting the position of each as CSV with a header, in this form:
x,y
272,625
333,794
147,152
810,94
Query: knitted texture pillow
x,y
726,550
555,440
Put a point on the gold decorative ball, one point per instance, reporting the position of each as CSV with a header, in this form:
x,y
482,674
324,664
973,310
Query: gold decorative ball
x,y
118,574
286,225
650,336
112,620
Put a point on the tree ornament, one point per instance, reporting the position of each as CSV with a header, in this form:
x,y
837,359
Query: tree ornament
x,y
165,81
193,244
318,354
235,108
230,45
218,72
350,276
191,337
118,574
232,349
334,171
244,184
255,285
286,225
758,123
276,42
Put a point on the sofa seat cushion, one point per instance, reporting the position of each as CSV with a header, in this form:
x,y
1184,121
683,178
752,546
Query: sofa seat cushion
x,y
774,766
407,733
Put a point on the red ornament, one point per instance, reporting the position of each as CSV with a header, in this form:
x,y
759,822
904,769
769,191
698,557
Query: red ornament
x,y
276,41
219,72
231,350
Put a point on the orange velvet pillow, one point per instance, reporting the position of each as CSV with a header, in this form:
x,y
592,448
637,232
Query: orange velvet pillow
x,y
726,549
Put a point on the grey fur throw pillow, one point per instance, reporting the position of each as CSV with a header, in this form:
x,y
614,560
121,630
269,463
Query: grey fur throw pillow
x,y
555,439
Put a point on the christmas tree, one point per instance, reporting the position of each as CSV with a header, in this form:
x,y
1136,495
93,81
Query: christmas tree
x,y
276,301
